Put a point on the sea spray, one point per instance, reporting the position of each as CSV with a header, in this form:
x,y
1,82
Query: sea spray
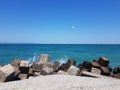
x,y
34,58
62,59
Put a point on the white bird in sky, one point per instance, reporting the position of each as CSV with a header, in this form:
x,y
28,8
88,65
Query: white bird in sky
x,y
73,27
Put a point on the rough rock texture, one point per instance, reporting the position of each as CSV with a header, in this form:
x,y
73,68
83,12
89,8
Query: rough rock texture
x,y
66,66
74,71
47,71
44,58
38,66
103,61
24,63
16,63
7,69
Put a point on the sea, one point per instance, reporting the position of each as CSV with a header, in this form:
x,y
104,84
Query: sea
x,y
60,52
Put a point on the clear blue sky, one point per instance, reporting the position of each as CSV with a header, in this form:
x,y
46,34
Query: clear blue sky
x,y
50,21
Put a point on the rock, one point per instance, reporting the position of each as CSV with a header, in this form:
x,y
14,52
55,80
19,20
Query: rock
x,y
22,76
30,73
116,70
71,62
62,72
2,76
63,67
66,66
87,65
56,66
47,71
44,58
24,67
105,71
96,65
96,71
24,63
73,70
117,75
38,66
16,63
103,61
7,69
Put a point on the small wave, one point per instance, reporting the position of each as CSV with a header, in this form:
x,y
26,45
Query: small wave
x,y
62,59
34,58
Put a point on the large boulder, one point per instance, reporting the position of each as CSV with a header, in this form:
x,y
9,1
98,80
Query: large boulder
x,y
47,71
87,65
66,66
5,71
70,62
38,66
44,58
73,70
24,67
103,61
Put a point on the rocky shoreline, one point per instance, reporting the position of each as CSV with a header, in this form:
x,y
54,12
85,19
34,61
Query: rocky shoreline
x,y
21,69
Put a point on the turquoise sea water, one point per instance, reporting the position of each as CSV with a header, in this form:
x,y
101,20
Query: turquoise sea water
x,y
60,52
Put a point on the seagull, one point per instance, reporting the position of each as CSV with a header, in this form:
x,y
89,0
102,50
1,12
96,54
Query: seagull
x,y
73,27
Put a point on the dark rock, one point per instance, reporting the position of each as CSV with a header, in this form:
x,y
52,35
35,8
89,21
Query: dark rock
x,y
105,71
87,65
66,66
70,62
103,61
12,77
116,70
24,67
63,67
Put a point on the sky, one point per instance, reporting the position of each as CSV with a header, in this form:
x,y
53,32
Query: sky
x,y
60,21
